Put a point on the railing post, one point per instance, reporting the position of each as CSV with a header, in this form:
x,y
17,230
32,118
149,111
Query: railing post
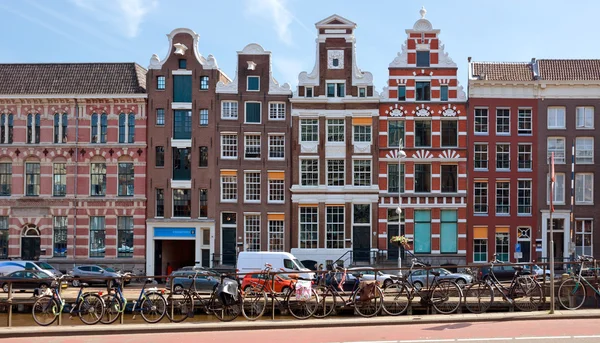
x,y
122,314
60,306
9,301
273,296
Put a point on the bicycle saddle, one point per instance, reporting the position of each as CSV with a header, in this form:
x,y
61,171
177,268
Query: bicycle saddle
x,y
518,268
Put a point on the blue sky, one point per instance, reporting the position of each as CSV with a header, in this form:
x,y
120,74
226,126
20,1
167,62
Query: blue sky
x,y
132,30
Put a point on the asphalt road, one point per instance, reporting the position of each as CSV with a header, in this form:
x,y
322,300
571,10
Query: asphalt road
x,y
546,331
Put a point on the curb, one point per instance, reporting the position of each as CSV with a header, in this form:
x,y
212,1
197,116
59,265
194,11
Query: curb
x,y
99,329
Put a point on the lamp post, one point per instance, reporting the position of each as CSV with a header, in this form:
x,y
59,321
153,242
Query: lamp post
x,y
401,155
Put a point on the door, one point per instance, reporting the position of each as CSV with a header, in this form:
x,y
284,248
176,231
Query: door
x,y
228,247
158,257
30,248
526,250
361,243
206,258
393,249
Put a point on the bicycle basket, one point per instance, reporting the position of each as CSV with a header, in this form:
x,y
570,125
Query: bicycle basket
x,y
303,290
367,290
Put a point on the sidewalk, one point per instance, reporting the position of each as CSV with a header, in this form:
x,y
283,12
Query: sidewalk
x,y
266,324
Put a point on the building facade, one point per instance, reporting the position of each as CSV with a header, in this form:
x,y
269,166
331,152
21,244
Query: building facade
x,y
334,151
423,112
73,163
503,208
253,159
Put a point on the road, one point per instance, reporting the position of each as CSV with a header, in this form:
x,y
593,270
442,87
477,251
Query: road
x,y
546,331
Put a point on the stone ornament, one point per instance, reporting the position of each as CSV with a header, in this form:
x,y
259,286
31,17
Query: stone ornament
x,y
180,49
335,59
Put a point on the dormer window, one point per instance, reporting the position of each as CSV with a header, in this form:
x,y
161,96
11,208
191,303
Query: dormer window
x,y
422,58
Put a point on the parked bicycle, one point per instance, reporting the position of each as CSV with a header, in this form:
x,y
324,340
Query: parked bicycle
x,y
89,306
572,291
151,303
524,291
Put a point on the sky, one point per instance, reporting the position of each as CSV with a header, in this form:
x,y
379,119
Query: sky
x,y
133,30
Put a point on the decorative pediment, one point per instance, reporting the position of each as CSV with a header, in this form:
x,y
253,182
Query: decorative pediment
x,y
422,111
335,21
396,111
449,111
422,154
181,49
449,154
393,154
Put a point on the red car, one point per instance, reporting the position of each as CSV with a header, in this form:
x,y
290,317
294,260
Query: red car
x,y
283,283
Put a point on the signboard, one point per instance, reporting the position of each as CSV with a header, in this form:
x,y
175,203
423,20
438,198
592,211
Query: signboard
x,y
175,232
518,247
518,255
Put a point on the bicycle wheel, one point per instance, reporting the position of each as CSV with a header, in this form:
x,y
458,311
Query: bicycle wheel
x,y
254,303
478,297
179,307
326,304
302,308
90,309
527,295
45,310
228,308
446,297
153,307
395,299
370,306
112,309
571,294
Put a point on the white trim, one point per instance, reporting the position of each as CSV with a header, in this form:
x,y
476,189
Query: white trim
x,y
181,72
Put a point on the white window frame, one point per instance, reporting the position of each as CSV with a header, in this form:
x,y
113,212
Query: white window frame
x,y
582,196
229,186
276,110
525,153
250,140
362,89
355,173
248,83
315,224
581,231
276,191
502,197
229,111
482,153
230,145
486,249
525,115
503,109
524,198
582,113
487,118
303,122
246,114
559,156
557,118
312,91
365,128
559,189
335,226
337,85
273,138
583,153
503,153
337,172
302,177
476,197
253,230
252,188
276,230
335,123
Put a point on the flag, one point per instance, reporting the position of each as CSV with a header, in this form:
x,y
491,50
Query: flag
x,y
552,179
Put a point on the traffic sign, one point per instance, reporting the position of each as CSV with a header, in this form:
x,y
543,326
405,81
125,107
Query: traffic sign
x,y
518,247
518,255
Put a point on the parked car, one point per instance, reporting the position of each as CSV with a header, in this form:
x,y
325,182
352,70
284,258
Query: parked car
x,y
539,271
250,261
205,281
26,279
368,273
283,283
501,272
420,278
92,274
7,267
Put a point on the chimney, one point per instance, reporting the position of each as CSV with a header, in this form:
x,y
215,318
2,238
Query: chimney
x,y
469,59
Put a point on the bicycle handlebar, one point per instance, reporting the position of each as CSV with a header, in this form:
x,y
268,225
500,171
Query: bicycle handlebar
x,y
585,258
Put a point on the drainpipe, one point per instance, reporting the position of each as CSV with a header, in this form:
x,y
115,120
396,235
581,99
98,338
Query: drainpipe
x,y
76,177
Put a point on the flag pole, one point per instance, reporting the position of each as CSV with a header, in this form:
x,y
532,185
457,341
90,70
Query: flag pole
x,y
551,234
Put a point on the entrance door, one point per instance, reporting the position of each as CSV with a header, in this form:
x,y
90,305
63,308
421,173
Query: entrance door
x,y
228,247
30,243
392,248
526,250
158,257
206,258
361,243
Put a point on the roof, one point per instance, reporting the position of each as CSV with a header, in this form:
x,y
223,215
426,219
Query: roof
x,y
569,69
72,78
502,71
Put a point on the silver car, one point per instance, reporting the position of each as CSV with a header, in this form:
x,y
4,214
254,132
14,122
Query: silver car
x,y
368,273
92,274
420,278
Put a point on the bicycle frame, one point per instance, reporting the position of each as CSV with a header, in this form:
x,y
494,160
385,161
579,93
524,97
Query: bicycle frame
x,y
579,279
493,281
141,297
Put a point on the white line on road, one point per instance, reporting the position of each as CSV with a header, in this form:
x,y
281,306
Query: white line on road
x,y
543,337
479,339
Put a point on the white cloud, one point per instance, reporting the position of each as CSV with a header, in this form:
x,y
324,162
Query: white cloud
x,y
277,12
125,14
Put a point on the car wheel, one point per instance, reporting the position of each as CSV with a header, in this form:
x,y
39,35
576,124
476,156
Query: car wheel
x,y
461,282
5,288
418,285
75,282
178,289
247,289
386,283
285,291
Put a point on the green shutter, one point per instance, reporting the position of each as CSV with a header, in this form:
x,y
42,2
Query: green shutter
x,y
449,233
253,83
422,241
252,112
182,88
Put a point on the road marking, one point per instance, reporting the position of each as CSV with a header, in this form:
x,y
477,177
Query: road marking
x,y
483,339
543,337
479,339
591,336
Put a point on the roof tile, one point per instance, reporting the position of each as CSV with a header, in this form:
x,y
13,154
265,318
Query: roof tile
x,y
569,69
503,71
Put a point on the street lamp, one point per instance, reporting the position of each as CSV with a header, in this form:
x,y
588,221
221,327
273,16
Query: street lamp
x,y
401,155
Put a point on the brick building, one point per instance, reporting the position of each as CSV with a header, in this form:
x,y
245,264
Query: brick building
x,y
73,163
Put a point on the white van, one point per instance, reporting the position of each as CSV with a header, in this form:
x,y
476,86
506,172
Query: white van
x,y
7,267
252,261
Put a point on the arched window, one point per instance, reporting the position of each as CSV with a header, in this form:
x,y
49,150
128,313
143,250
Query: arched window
x,y
65,122
33,128
103,127
131,128
122,119
56,128
10,128
37,128
3,122
94,138
29,127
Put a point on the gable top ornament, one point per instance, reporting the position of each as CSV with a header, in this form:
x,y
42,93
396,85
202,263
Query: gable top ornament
x,y
423,24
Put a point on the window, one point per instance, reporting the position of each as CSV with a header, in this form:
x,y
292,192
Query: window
x,y
449,133
252,187
182,125
362,133
203,160
276,235
335,130
160,202
336,172
182,203
395,175
584,150
309,172
336,90
182,167
449,232
444,93
502,121
276,188
422,58
204,83
160,82
502,156
395,133
277,110
59,236
422,133
252,232
334,238
422,242
423,91
422,178
182,63
480,250
402,93
160,116
556,118
97,237
556,145
98,177
229,110
204,117
182,88
229,147
33,128
559,189
32,179
276,146
252,146
126,177
362,92
584,188
583,237
59,187
309,130
203,204
584,118
5,179
309,227
99,128
502,246
125,236
502,197
524,158
362,172
160,156
60,127
449,178
481,120
481,156
525,118
6,128
3,237
253,83
126,128
481,198
229,187
524,197
362,215
253,112
308,92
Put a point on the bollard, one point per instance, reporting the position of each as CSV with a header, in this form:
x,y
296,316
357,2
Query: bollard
x,y
9,301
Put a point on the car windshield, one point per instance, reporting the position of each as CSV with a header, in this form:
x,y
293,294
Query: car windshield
x,y
299,264
41,275
45,266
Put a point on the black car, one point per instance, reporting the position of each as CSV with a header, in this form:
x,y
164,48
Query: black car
x,y
502,272
26,279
